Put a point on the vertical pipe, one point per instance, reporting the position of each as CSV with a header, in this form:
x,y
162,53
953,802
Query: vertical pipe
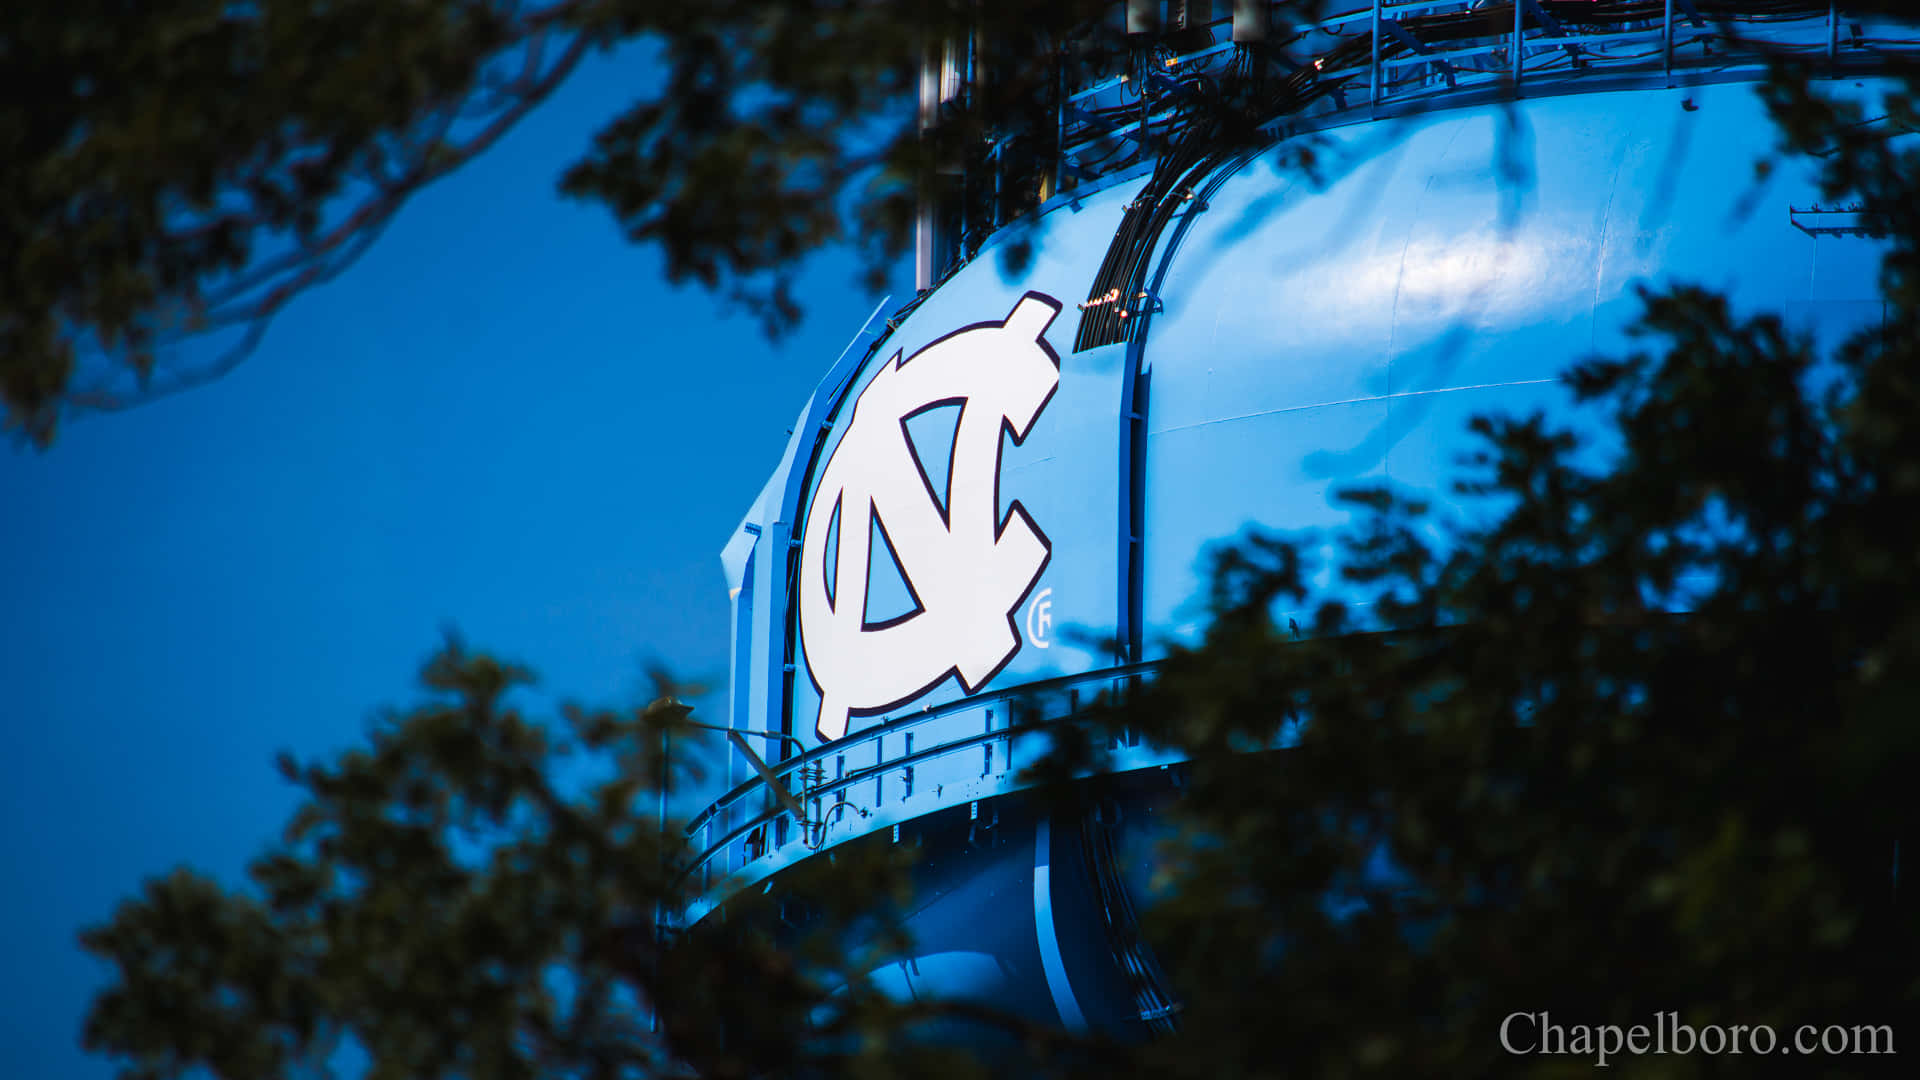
x,y
1519,19
659,907
1143,16
997,163
958,75
1833,36
1251,19
1059,122
1666,44
1141,63
1373,73
923,271
666,751
923,223
971,84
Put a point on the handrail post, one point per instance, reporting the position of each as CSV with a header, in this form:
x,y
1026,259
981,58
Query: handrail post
x,y
1373,74
1666,45
1519,19
1833,37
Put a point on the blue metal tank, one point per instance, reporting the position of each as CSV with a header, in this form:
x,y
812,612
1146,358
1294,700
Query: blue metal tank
x,y
971,481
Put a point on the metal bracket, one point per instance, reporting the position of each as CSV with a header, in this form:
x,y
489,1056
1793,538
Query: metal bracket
x,y
1852,220
1078,171
738,737
1160,84
780,792
1398,33
1540,16
1073,114
1552,26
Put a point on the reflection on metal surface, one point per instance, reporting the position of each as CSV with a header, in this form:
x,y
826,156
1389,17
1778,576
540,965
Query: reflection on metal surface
x,y
1311,336
1285,335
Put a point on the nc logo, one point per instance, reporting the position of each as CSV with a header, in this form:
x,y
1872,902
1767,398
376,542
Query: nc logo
x,y
967,568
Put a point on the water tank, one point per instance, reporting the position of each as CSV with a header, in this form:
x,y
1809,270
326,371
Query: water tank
x,y
987,470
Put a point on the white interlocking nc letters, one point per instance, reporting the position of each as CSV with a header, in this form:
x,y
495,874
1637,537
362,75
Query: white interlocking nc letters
x,y
967,568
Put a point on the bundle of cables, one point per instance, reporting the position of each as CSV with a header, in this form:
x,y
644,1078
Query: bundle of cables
x,y
1216,121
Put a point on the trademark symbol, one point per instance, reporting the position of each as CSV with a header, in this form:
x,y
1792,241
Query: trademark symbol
x,y
1040,619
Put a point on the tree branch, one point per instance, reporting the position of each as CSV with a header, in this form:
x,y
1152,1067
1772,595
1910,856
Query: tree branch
x,y
315,264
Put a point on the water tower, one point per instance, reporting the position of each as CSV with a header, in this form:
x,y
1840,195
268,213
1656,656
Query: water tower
x,y
1204,338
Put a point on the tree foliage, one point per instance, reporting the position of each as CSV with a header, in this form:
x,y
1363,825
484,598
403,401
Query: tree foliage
x,y
1643,743
442,904
179,168
174,174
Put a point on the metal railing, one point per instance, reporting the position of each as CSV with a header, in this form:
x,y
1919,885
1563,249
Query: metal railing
x,y
968,749
1380,59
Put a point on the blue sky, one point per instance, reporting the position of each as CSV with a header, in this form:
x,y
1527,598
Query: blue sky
x,y
503,420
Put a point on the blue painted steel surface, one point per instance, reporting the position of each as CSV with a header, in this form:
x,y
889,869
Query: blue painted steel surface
x,y
1301,336
1314,339
1309,337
